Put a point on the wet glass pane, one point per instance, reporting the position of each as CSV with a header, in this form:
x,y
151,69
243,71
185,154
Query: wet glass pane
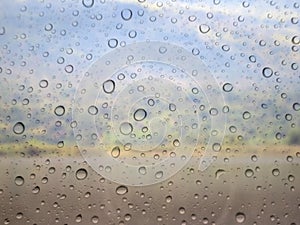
x,y
149,112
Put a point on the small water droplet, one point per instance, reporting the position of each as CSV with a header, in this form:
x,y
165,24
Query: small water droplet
x,y
275,172
267,72
115,152
296,106
121,190
176,143
19,128
59,110
246,115
81,174
219,173
88,3
216,147
249,173
113,43
36,190
227,87
204,28
95,219
69,68
109,86
92,110
140,114
240,217
126,14
2,30
43,83
159,174
142,170
19,180
126,128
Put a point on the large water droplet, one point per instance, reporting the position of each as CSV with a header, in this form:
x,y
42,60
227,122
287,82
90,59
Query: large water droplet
x,y
126,128
19,128
81,174
140,114
121,190
109,86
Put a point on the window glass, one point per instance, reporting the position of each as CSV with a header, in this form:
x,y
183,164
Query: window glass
x,y
149,112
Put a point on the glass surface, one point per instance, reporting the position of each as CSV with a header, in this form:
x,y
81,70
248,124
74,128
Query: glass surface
x,y
149,112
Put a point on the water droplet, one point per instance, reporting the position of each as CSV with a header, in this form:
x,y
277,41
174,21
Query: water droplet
x,y
126,128
92,110
121,190
181,210
204,28
240,217
176,143
246,115
126,14
254,158
296,106
291,178
113,43
140,114
252,58
36,190
19,128
81,174
115,152
88,3
216,147
19,180
232,129
172,107
2,30
213,111
159,174
267,72
142,170
59,110
78,218
109,86
151,102
249,173
43,83
227,87
275,172
296,40
95,219
219,173
60,144
69,68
